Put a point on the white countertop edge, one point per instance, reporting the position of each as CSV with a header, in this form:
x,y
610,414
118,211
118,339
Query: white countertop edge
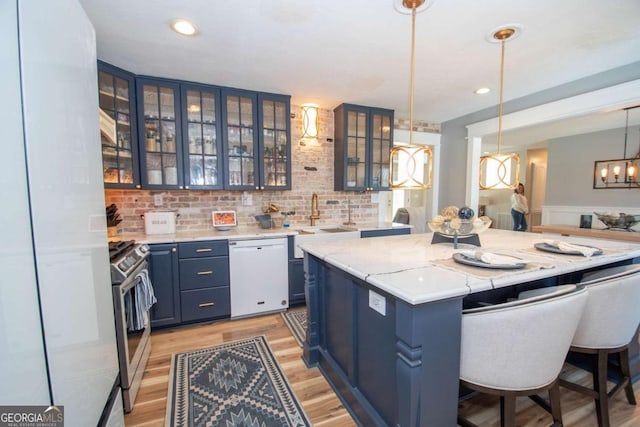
x,y
239,233
193,236
429,292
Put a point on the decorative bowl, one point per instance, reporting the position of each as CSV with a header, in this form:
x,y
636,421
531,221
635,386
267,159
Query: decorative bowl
x,y
620,220
459,227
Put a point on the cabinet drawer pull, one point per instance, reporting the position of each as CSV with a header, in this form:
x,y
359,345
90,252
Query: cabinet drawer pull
x,y
203,250
204,273
206,304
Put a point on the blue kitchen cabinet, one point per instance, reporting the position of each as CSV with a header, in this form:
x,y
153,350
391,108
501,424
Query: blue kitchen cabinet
x,y
164,275
116,95
256,140
182,135
160,133
274,141
204,280
202,137
363,138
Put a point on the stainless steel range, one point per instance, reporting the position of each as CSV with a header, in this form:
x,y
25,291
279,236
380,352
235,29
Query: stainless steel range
x,y
132,298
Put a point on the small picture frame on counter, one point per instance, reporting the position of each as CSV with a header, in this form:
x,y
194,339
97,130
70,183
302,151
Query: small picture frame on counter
x,y
585,221
224,220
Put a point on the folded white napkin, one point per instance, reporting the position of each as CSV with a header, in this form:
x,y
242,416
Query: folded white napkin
x,y
570,247
491,258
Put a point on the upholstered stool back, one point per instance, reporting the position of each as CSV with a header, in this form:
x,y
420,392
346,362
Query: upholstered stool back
x,y
612,313
520,345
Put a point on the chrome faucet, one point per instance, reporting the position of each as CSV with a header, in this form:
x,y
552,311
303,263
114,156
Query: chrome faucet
x,y
315,212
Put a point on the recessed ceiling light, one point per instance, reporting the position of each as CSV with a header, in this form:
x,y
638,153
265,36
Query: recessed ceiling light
x,y
482,91
184,27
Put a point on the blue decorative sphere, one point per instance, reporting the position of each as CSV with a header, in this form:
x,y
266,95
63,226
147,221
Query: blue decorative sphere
x,y
465,213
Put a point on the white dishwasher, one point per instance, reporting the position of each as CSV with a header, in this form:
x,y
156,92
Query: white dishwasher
x,y
259,274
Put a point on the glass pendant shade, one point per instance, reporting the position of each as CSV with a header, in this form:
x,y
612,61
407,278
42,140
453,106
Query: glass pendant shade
x,y
411,167
499,171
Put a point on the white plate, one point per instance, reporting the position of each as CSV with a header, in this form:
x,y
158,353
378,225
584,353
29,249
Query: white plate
x,y
463,259
550,248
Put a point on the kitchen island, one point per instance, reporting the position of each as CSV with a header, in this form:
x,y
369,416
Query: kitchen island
x,y
384,315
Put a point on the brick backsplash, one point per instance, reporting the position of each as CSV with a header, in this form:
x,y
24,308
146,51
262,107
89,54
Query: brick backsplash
x,y
195,206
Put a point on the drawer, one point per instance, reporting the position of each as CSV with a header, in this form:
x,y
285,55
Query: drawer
x,y
205,304
205,248
209,272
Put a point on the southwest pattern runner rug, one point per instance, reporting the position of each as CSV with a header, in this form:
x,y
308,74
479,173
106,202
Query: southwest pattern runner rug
x,y
296,321
234,384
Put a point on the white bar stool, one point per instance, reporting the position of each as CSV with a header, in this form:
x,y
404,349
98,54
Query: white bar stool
x,y
518,349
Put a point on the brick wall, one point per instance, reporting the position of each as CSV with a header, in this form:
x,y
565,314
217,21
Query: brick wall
x,y
195,206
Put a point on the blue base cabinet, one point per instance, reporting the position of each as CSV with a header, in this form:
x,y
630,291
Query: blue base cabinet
x,y
204,280
163,271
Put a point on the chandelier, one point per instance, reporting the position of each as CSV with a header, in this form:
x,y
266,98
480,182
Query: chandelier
x,y
618,173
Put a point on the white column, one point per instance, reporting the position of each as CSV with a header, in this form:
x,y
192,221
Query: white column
x,y
472,194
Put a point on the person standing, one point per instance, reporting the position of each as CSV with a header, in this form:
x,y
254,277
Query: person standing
x,y
519,208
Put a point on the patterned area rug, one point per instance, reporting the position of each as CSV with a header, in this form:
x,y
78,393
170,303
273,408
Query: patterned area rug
x,y
234,384
296,320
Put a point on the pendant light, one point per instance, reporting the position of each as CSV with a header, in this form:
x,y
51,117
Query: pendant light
x,y
411,165
618,173
497,170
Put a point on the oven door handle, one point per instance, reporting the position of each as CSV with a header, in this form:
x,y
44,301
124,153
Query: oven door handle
x,y
131,280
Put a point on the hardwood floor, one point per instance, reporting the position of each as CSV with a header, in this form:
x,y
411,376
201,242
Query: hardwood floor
x,y
318,400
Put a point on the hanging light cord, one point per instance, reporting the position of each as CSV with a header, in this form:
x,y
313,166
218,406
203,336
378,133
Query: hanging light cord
x,y
502,41
413,47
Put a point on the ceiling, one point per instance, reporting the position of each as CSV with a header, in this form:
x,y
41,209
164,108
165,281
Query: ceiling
x,y
331,51
538,136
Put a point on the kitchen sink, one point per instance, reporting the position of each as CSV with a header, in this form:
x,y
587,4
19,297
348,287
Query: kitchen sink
x,y
325,232
324,229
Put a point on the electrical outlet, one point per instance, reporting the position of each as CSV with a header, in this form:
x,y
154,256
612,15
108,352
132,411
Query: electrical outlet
x,y
157,200
247,199
378,303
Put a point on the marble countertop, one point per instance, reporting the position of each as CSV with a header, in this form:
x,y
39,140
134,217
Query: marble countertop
x,y
412,269
242,233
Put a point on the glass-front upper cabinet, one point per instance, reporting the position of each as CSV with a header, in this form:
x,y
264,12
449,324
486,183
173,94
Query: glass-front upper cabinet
x,y
161,158
275,146
119,154
240,139
381,144
202,145
363,141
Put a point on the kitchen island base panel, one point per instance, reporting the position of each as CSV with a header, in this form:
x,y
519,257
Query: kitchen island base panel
x,y
400,368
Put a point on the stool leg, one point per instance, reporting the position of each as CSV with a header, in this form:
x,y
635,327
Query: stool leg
x,y
508,410
626,373
554,402
600,387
